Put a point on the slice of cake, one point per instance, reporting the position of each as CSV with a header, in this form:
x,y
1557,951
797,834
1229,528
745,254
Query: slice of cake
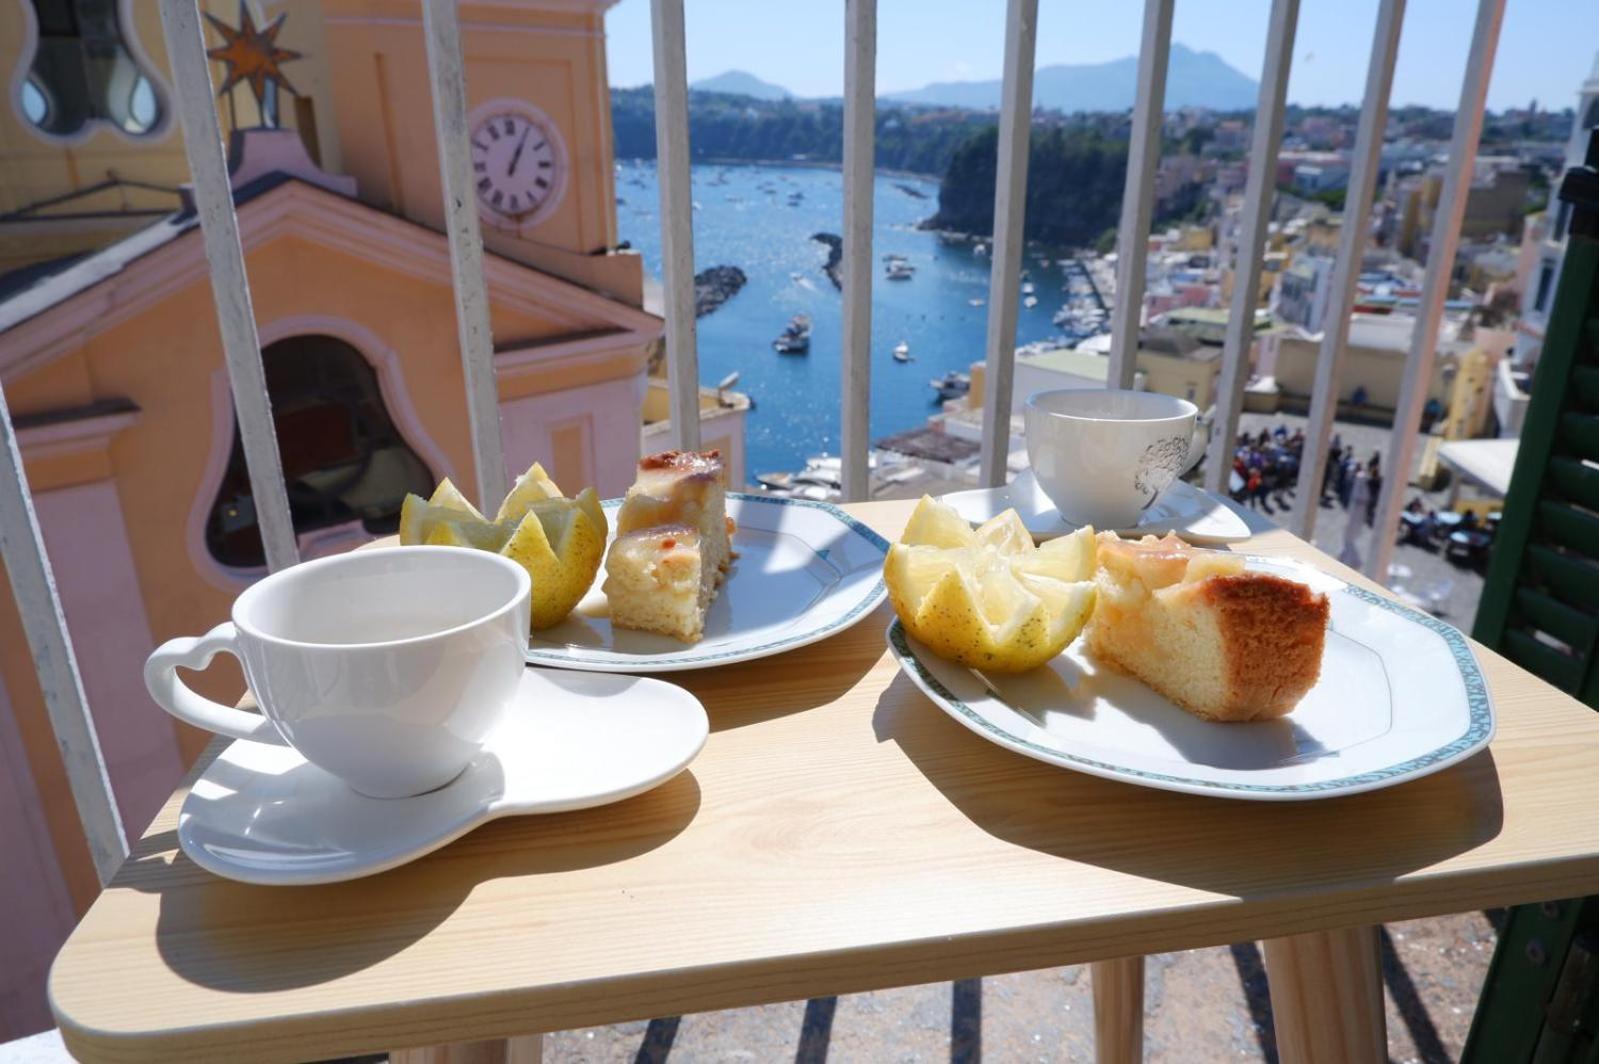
x,y
673,545
1224,643
656,581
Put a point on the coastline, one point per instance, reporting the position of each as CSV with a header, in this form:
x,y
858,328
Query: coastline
x,y
803,164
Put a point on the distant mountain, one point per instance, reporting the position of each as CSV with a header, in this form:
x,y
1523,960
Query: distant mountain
x,y
741,83
1193,79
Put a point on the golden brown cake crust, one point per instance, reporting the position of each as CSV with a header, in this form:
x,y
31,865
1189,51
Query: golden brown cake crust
x,y
689,463
1274,630
1223,642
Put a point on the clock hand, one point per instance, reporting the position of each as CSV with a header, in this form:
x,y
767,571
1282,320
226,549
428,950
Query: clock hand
x,y
516,156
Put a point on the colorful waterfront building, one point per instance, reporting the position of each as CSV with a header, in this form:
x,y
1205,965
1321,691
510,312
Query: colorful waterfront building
x,y
112,363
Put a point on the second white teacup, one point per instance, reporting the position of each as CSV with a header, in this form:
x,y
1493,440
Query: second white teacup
x,y
1103,456
385,667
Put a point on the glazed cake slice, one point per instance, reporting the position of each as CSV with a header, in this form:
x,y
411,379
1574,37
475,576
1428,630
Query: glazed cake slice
x,y
1222,642
673,545
656,582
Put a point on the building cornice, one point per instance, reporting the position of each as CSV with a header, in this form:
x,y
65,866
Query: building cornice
x,y
52,434
327,220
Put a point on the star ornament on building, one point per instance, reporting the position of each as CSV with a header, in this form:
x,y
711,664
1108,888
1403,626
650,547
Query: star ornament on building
x,y
251,55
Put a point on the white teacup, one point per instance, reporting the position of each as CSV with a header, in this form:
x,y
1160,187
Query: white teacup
x,y
385,667
1103,456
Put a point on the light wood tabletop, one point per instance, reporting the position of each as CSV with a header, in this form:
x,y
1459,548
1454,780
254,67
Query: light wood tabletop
x,y
838,833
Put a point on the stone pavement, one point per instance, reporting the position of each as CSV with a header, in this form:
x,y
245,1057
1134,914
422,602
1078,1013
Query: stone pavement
x,y
1201,1005
1419,570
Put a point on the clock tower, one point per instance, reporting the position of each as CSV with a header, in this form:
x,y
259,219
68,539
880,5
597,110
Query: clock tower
x,y
539,116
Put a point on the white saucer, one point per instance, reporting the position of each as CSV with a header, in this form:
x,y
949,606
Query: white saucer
x,y
263,814
1192,513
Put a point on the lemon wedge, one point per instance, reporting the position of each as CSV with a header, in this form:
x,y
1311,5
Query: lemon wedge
x,y
995,602
462,531
533,486
560,542
449,497
934,524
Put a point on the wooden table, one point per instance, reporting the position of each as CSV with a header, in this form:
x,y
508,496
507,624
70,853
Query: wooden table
x,y
838,834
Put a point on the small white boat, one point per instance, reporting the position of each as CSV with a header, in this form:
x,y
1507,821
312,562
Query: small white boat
x,y
951,385
1030,302
976,302
979,249
902,352
795,339
1027,288
900,270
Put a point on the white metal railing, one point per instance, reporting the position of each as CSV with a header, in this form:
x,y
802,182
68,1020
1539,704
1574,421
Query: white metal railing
x,y
219,229
23,548
860,129
44,624
441,24
1259,192
1435,286
677,218
1138,194
1346,269
1010,210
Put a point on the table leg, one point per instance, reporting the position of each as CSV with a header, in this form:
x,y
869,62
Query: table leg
x,y
1326,996
1118,1010
523,1049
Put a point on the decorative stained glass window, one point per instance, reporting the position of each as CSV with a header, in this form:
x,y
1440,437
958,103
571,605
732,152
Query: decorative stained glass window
x,y
83,72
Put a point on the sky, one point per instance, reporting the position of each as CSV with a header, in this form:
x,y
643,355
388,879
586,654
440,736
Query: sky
x,y
1546,47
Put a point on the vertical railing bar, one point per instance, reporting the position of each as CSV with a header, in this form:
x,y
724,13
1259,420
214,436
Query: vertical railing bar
x,y
1010,211
193,98
1435,286
441,25
1346,270
677,218
1138,194
45,626
860,128
1259,192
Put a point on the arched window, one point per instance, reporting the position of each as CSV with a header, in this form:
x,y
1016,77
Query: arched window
x,y
343,458
83,72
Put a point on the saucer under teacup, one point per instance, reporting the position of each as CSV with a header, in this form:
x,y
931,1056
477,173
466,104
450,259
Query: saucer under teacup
x,y
1192,513
263,814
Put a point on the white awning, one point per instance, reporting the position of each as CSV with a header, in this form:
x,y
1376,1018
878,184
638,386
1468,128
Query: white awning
x,y
1486,462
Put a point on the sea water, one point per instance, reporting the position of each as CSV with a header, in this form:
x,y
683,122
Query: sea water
x,y
745,219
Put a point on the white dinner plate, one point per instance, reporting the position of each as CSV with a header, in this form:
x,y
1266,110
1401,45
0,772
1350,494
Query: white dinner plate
x,y
263,814
805,570
1192,513
1400,696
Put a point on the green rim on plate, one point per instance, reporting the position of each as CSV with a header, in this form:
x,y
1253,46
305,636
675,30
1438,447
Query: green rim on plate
x,y
1479,726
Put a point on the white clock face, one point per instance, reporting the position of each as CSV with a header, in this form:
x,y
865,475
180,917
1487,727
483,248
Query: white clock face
x,y
518,166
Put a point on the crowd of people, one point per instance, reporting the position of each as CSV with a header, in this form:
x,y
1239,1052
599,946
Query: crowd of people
x,y
1266,473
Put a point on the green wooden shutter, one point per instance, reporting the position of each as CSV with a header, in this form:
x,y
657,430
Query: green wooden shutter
x,y
1540,608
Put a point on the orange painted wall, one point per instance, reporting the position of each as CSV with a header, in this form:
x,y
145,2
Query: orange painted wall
x,y
167,359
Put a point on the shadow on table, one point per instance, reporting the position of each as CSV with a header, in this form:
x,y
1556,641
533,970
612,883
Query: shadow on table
x,y
752,692
1239,848
210,932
